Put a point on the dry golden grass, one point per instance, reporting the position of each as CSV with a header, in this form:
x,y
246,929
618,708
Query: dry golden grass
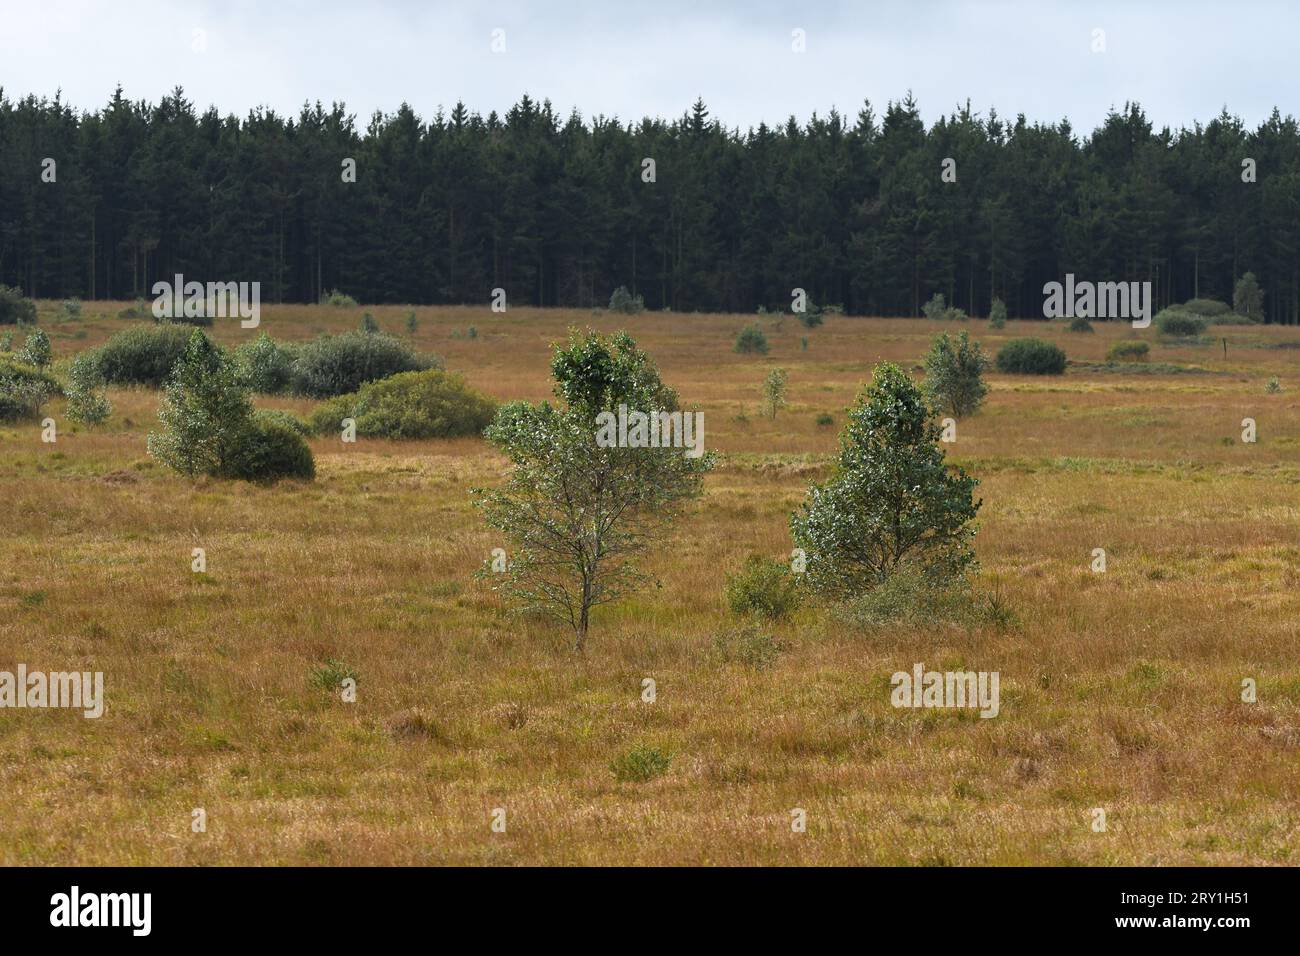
x,y
1119,690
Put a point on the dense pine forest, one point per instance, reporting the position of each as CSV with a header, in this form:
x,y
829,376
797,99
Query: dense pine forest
x,y
558,211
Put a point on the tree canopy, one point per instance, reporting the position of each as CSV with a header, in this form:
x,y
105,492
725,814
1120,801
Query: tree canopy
x,y
557,210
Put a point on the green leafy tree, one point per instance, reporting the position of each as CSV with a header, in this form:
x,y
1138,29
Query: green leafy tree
x,y
892,501
774,392
954,373
1248,298
36,350
577,514
205,412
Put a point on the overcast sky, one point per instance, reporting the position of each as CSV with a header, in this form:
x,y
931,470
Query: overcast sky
x,y
628,58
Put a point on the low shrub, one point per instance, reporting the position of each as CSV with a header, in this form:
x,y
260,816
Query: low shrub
x,y
87,403
71,308
1210,308
910,597
144,355
1129,350
1030,357
24,390
277,416
1079,324
1179,324
625,302
265,365
998,314
268,450
337,364
954,370
751,340
36,350
336,298
428,404
764,587
15,308
640,764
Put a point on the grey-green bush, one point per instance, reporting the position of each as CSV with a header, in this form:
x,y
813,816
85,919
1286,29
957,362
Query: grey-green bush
x,y
1248,298
1129,350
625,302
1079,324
998,314
336,298
87,403
267,451
751,340
15,308
36,350
1030,356
24,390
411,405
1179,324
954,373
143,355
764,587
265,365
337,364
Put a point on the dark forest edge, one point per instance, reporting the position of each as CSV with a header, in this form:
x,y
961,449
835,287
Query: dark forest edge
x,y
558,211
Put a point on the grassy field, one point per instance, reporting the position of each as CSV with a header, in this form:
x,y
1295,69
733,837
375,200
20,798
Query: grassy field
x,y
1119,690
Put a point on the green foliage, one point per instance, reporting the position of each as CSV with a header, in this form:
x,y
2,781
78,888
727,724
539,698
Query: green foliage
x,y
337,364
143,355
428,404
750,340
24,390
264,365
278,416
824,419
1248,298
15,308
892,501
369,323
336,298
954,373
36,350
1210,308
1129,350
1030,357
764,587
412,323
774,392
626,303
331,674
998,314
1080,324
208,425
579,514
936,307
1274,385
812,315
204,413
268,450
87,403
640,764
1179,324
71,308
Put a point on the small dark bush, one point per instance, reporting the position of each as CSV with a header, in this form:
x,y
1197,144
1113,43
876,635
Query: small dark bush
x,y
338,364
1179,324
998,314
15,308
268,450
265,365
1031,357
144,355
23,391
1128,351
1080,324
764,587
335,297
625,302
1210,308
640,764
751,340
428,404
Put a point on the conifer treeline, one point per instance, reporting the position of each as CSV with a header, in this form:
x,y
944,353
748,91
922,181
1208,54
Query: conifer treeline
x,y
556,211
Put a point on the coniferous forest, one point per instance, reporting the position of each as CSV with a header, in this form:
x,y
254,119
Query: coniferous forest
x,y
558,210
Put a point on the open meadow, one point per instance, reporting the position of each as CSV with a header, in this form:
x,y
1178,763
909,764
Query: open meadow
x,y
1121,690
